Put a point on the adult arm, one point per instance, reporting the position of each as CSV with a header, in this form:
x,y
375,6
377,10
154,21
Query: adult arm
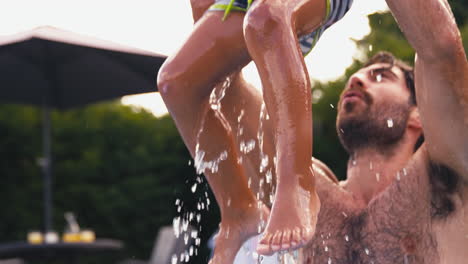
x,y
441,75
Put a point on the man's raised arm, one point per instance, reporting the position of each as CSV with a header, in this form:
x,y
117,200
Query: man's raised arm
x,y
428,25
441,78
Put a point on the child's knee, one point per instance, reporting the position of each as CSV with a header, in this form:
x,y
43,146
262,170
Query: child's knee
x,y
263,20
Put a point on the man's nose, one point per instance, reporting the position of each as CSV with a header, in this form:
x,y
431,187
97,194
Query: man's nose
x,y
356,82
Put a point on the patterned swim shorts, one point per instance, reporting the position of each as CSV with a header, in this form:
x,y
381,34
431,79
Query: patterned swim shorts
x,y
336,9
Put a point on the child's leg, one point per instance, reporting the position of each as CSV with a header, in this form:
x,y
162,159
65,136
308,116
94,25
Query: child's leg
x,y
214,50
270,32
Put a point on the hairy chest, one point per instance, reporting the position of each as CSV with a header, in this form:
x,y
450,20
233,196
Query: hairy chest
x,y
392,231
355,241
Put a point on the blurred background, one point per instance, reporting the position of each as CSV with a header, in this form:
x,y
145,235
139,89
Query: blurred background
x,y
121,168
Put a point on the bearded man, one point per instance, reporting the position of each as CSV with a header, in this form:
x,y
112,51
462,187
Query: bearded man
x,y
401,202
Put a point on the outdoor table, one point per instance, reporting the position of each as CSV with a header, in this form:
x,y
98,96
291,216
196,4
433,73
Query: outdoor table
x,y
61,250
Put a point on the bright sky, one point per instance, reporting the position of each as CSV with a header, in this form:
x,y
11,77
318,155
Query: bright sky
x,y
163,25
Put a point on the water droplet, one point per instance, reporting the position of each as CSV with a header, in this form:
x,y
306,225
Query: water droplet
x,y
344,214
326,248
377,176
272,198
191,251
189,162
378,78
239,118
398,176
174,259
194,188
332,106
185,224
264,162
214,106
371,166
176,226
329,260
371,47
346,237
390,122
404,171
228,202
246,147
367,251
177,201
269,176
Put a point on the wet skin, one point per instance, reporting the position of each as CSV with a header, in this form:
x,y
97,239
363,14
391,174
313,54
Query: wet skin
x,y
399,222
216,49
376,219
415,212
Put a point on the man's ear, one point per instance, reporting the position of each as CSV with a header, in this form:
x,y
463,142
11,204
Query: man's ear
x,y
414,121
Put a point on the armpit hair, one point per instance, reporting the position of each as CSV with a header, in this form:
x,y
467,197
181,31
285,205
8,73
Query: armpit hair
x,y
444,183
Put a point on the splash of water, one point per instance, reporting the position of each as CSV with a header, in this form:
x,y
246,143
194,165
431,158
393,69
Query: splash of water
x,y
288,257
201,165
264,159
211,165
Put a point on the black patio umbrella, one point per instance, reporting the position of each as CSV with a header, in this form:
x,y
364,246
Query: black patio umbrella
x,y
57,69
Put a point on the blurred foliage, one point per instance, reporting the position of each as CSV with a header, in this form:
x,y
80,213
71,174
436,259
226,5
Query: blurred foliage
x,y
120,171
460,11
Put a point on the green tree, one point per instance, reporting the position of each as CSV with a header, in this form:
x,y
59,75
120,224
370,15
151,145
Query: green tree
x,y
118,170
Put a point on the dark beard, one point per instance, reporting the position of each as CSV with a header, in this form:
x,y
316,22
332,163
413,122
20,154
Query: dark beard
x,y
370,129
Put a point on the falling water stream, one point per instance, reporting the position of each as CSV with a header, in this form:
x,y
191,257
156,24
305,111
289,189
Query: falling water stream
x,y
187,224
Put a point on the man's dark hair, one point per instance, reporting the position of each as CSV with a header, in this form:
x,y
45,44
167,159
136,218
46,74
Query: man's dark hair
x,y
408,71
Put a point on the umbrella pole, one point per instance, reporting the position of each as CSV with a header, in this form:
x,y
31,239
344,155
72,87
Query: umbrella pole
x,y
47,169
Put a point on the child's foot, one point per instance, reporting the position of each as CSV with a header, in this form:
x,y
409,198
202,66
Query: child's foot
x,y
292,221
234,231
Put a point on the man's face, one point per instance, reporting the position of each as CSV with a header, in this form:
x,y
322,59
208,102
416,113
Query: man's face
x,y
374,107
